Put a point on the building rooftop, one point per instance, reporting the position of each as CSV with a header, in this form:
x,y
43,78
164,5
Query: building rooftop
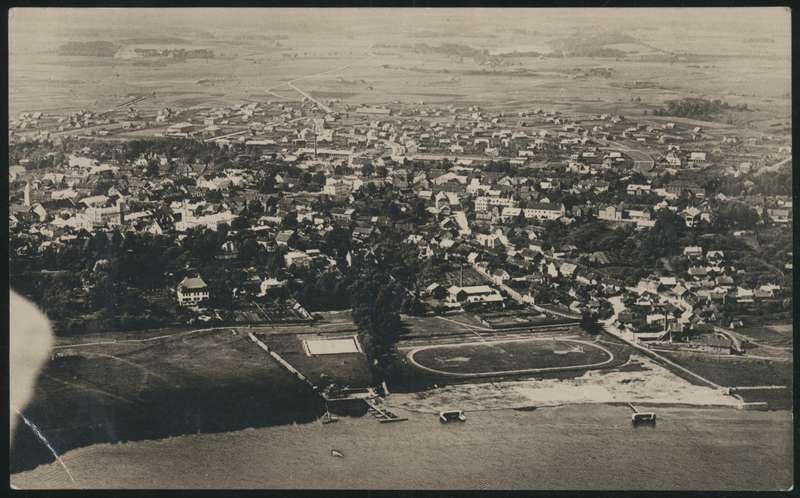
x,y
192,283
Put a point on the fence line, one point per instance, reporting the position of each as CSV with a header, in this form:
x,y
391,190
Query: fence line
x,y
285,364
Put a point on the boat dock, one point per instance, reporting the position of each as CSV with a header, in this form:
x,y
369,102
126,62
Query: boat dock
x,y
383,414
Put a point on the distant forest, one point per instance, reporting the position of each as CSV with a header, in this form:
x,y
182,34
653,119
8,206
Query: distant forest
x,y
178,53
262,36
109,49
696,108
480,56
593,44
456,49
156,40
89,49
460,34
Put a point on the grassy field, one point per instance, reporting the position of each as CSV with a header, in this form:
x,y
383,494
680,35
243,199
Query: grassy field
x,y
345,369
481,358
207,382
431,326
779,334
733,371
776,399
410,378
107,337
514,319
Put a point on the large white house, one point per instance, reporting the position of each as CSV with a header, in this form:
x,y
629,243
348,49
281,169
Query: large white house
x,y
269,284
192,291
545,211
297,258
210,221
473,294
341,186
483,203
96,216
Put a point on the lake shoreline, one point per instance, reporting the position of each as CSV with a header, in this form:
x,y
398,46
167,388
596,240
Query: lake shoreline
x,y
504,435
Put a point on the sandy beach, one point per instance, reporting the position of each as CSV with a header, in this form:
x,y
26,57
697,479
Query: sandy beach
x,y
648,383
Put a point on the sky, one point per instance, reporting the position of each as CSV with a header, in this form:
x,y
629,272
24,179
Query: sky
x,y
746,19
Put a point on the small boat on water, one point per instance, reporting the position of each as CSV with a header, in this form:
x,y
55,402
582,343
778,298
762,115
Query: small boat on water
x,y
648,418
643,418
452,416
337,453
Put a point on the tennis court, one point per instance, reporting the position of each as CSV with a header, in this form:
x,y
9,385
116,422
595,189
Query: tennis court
x,y
338,345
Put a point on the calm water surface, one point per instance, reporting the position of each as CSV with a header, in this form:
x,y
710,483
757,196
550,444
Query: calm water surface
x,y
572,447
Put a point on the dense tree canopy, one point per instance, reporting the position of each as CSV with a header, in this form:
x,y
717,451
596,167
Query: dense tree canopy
x,y
662,239
376,303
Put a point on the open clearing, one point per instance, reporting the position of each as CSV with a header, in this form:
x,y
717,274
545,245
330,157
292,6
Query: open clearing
x,y
774,334
733,371
346,368
519,356
766,335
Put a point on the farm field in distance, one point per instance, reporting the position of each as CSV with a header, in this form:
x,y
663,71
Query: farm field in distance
x,y
251,69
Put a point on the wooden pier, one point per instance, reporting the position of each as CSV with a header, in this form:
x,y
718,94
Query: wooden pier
x,y
382,413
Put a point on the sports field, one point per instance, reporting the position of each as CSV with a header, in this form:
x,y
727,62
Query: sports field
x,y
337,360
519,356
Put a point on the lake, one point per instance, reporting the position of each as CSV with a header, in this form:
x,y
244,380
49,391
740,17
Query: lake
x,y
567,447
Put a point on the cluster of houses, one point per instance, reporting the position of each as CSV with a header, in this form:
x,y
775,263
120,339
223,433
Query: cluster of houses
x,y
680,308
433,157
